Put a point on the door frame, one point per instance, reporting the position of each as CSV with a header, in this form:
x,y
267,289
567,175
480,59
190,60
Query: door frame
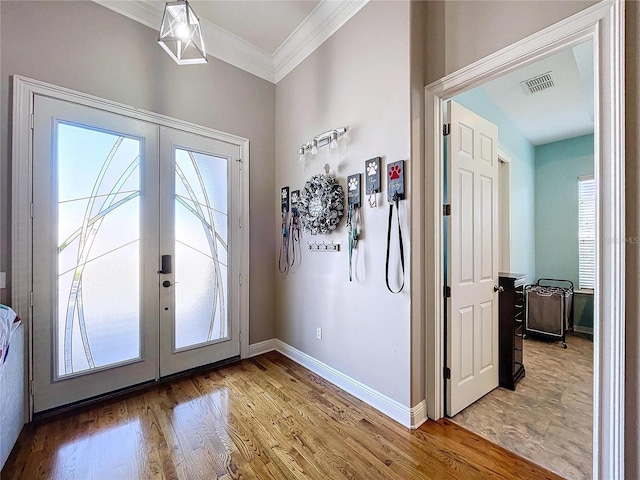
x,y
604,23
24,90
504,190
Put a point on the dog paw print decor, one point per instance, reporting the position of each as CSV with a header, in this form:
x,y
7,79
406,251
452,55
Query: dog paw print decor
x,y
373,181
353,190
395,181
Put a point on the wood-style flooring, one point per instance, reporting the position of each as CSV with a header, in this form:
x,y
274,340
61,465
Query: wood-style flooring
x,y
265,417
548,419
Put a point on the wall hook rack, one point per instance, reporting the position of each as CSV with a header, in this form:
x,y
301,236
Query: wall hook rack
x,y
323,247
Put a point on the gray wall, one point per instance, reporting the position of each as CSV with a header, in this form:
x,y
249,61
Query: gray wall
x,y
359,78
459,33
86,47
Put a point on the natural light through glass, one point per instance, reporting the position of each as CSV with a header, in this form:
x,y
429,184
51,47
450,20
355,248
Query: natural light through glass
x,y
98,248
200,248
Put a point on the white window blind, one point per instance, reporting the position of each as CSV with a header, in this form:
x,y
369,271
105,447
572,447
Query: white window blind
x,y
587,231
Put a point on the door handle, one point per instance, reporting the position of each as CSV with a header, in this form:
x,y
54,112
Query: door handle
x,y
165,267
496,288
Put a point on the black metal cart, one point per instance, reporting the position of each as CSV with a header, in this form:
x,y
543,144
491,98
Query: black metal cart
x,y
549,309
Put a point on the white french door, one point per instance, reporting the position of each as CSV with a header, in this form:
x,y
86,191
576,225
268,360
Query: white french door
x,y
112,197
198,310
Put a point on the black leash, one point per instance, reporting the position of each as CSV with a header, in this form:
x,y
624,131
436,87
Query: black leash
x,y
294,236
395,200
284,246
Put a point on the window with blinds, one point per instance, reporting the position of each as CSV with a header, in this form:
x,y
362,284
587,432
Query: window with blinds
x,y
587,231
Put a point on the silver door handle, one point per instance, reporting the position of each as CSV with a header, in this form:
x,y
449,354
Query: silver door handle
x,y
496,288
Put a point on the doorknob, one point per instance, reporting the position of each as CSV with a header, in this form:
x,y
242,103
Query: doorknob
x,y
496,288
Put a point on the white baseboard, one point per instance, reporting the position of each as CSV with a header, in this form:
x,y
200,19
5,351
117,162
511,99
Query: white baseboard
x,y
579,329
409,417
262,347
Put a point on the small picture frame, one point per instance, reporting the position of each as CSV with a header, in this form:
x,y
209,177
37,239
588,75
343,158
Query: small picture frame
x,y
353,190
372,175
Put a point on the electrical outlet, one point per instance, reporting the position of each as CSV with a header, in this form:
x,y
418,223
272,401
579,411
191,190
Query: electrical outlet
x,y
319,333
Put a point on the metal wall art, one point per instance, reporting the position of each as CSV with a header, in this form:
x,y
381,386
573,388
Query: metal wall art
x,y
321,204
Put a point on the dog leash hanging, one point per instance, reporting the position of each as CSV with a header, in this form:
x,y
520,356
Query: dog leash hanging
x,y
284,242
284,246
353,198
395,200
395,188
352,225
294,236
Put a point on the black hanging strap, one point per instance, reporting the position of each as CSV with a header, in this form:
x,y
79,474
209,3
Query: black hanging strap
x,y
395,200
294,237
284,246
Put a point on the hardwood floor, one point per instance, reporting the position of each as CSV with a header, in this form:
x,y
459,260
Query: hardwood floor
x,y
266,418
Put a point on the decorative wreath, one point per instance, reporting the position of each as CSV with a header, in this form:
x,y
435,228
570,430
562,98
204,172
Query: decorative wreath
x,y
321,204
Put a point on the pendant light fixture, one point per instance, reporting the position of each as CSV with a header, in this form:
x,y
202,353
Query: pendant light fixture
x,y
181,35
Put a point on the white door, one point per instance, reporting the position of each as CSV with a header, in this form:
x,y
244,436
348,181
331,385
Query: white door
x,y
473,252
107,205
199,313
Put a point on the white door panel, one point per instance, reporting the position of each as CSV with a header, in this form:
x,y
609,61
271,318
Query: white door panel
x,y
95,205
200,192
472,321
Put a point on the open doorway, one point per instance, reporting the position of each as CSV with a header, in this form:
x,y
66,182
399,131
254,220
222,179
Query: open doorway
x,y
608,410
543,406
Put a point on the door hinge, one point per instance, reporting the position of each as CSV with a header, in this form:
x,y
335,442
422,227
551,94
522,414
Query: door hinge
x,y
446,209
32,121
31,388
240,222
240,279
446,129
447,373
31,299
447,292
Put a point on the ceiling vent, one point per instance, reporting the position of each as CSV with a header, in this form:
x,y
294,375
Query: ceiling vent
x,y
538,83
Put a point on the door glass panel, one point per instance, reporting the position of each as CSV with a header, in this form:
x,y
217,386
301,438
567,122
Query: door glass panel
x,y
98,178
201,247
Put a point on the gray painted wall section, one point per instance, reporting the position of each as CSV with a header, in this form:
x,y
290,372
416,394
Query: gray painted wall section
x,y
86,47
359,78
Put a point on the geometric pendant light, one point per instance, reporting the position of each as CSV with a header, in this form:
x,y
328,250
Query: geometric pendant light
x,y
180,34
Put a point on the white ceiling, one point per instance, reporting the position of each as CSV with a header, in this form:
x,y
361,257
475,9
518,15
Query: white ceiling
x,y
267,38
563,111
266,24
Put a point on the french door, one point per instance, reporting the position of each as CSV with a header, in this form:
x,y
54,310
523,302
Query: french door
x,y
133,251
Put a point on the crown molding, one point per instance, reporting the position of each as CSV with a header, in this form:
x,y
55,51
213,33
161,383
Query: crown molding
x,y
322,22
319,25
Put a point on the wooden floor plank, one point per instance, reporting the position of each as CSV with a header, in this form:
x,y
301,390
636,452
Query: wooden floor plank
x,y
261,418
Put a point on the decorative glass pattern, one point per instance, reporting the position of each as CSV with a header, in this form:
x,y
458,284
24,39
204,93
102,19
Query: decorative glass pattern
x,y
201,249
98,179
